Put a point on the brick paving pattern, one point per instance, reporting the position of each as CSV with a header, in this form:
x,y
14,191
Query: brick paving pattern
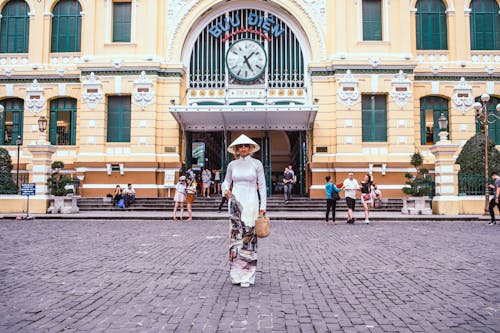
x,y
158,276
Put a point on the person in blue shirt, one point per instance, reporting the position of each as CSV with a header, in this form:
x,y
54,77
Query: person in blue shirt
x,y
332,195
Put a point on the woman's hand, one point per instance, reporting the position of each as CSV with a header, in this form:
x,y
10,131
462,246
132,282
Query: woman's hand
x,y
262,212
227,194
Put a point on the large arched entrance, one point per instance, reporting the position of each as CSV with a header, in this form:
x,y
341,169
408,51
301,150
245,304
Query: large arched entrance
x,y
247,72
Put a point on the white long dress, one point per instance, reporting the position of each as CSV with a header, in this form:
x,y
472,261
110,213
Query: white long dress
x,y
245,174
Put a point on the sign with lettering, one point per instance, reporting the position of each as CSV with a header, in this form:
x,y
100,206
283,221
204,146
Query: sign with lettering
x,y
255,23
28,189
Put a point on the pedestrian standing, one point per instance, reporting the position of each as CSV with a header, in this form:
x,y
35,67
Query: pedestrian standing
x,y
206,177
190,195
332,195
351,186
366,196
495,200
180,197
288,178
216,181
244,173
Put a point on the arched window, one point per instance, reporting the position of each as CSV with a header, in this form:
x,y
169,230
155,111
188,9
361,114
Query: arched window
x,y
11,124
14,27
66,27
431,108
432,33
62,127
494,127
484,25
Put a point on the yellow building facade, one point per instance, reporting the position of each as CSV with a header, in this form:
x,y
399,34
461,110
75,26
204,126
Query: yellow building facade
x,y
133,91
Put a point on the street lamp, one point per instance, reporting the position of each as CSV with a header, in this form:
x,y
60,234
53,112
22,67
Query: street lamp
x,y
443,125
19,142
483,117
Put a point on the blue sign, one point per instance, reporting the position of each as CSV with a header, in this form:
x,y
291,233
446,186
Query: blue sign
x,y
256,24
28,189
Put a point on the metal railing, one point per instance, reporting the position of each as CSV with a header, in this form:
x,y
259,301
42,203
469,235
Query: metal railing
x,y
470,185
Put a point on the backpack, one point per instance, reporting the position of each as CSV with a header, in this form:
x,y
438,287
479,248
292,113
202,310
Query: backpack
x,y
121,203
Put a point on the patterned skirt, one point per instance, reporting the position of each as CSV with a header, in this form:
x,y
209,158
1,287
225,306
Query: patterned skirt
x,y
242,247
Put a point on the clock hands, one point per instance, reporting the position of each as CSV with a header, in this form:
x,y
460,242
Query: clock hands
x,y
246,60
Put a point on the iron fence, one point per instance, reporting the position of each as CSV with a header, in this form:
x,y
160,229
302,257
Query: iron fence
x,y
471,185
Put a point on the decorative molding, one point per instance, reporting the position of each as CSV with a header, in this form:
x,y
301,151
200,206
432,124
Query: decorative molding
x,y
143,91
35,101
348,93
401,89
462,98
92,91
178,10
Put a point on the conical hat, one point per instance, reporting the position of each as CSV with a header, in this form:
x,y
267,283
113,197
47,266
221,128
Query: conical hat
x,y
242,139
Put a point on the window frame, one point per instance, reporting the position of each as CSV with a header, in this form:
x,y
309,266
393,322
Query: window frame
x,y
484,43
10,22
371,22
426,18
128,23
18,112
59,42
370,108
439,105
123,133
53,119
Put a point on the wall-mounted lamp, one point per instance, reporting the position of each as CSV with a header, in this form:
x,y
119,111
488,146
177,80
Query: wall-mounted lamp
x,y
42,124
172,101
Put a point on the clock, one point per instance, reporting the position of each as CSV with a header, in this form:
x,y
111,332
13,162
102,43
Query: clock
x,y
246,60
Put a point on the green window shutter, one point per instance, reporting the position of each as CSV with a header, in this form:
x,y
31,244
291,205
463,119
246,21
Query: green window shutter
x,y
62,122
119,112
431,29
66,27
14,27
485,25
374,118
372,20
436,106
122,21
11,124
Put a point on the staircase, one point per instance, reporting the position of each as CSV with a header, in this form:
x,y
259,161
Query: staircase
x,y
274,204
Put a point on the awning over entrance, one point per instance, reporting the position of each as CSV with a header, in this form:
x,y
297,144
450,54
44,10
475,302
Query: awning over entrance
x,y
252,117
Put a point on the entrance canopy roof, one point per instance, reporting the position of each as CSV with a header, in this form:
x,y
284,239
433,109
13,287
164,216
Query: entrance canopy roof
x,y
252,117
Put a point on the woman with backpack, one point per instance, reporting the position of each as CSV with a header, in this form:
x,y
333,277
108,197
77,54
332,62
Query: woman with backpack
x,y
332,195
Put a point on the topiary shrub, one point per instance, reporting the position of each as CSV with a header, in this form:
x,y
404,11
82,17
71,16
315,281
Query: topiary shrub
x,y
420,184
7,185
57,181
471,158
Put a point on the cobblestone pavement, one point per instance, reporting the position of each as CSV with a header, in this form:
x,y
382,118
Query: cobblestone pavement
x,y
158,276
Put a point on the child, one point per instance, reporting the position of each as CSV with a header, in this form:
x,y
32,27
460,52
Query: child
x,y
180,196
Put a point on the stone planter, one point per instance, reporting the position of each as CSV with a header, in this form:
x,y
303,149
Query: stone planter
x,y
417,206
63,204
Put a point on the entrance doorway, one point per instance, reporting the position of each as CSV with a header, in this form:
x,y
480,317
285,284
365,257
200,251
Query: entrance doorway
x,y
278,149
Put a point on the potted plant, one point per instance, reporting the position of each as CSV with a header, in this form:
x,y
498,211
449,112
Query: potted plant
x,y
62,198
419,187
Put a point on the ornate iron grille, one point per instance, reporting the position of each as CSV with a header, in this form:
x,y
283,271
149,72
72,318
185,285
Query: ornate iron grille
x,y
285,65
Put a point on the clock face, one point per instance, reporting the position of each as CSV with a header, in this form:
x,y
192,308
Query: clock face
x,y
246,60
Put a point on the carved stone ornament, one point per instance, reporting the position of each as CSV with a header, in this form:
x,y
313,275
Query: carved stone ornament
x,y
92,91
35,102
462,98
348,93
143,91
401,89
